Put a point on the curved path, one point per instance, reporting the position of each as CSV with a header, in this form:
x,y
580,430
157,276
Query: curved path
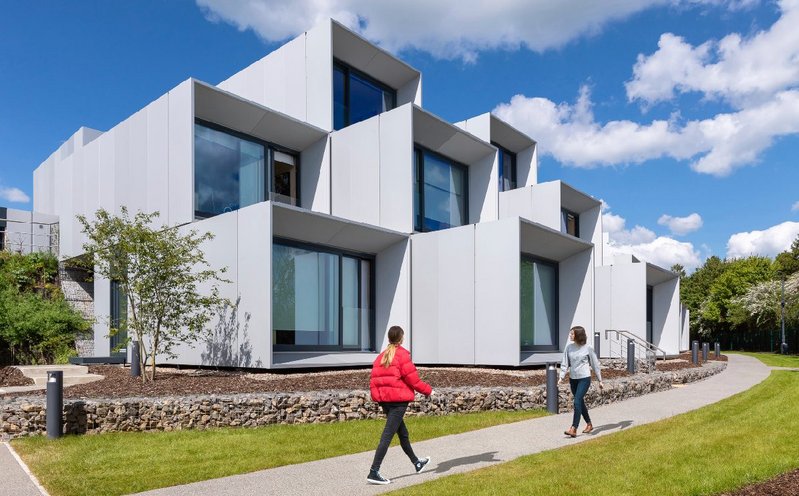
x,y
477,449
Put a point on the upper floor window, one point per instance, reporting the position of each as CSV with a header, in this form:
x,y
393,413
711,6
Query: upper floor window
x,y
441,187
507,169
570,223
233,170
357,97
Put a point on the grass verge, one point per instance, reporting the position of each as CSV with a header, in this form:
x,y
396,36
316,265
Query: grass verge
x,y
122,463
771,359
743,439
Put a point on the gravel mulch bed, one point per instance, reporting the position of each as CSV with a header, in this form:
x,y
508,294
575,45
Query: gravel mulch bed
x,y
783,485
11,376
711,357
169,382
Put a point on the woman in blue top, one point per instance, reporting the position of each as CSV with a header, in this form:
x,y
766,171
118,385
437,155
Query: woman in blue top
x,y
578,360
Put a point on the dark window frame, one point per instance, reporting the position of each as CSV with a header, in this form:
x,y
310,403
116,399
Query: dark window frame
x,y
419,151
650,313
269,174
348,71
292,243
513,169
118,302
564,212
556,331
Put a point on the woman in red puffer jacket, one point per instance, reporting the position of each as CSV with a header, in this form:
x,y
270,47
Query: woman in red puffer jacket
x,y
394,380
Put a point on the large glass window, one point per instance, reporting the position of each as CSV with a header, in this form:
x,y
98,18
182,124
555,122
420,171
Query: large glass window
x,y
119,317
321,298
507,169
441,188
570,223
649,334
357,97
232,170
539,305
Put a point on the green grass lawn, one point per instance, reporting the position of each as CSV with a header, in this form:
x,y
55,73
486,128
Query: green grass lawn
x,y
771,359
746,438
122,463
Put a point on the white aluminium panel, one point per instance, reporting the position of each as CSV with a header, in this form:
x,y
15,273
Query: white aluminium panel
x,y
355,167
575,294
102,316
255,283
396,169
516,202
64,178
315,176
319,76
157,163
546,204
527,167
484,189
628,305
137,166
666,315
393,293
91,168
122,194
496,287
106,172
424,297
284,79
602,304
181,154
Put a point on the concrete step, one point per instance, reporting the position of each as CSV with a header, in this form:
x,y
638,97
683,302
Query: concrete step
x,y
34,371
70,380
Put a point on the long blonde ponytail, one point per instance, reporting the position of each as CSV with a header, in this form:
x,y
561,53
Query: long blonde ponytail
x,y
395,335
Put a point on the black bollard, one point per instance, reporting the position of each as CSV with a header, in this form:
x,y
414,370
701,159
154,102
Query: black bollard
x,y
630,356
717,349
135,365
596,343
705,351
552,388
55,404
695,352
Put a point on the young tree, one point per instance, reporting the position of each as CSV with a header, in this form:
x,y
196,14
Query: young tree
x,y
161,271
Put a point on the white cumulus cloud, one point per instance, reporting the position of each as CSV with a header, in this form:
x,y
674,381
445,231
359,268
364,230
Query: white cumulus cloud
x,y
795,207
768,242
444,28
646,245
15,195
681,225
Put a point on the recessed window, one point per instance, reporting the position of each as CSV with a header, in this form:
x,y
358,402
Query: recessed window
x,y
119,317
441,188
538,305
507,168
322,299
357,97
570,223
233,170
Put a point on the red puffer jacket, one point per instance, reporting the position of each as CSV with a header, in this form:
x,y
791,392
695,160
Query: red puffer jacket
x,y
397,382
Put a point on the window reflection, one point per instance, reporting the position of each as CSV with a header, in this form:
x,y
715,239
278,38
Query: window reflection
x,y
357,97
441,199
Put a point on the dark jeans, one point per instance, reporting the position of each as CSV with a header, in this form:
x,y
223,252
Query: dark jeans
x,y
394,425
579,387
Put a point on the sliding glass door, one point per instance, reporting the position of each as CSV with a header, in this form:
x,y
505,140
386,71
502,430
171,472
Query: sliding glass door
x,y
539,305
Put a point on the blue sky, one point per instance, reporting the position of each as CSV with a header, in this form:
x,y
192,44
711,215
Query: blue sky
x,y
683,116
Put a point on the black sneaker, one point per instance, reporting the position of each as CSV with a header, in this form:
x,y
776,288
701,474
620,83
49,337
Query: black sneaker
x,y
421,463
374,477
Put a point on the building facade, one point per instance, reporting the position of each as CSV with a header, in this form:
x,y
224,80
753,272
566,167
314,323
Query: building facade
x,y
340,207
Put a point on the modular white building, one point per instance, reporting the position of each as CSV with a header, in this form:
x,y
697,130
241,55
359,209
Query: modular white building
x,y
340,207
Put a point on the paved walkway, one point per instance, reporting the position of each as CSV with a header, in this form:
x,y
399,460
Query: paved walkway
x,y
477,449
14,481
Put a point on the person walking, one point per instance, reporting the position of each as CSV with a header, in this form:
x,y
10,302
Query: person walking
x,y
578,360
393,384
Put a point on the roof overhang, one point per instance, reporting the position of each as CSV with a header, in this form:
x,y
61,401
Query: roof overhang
x,y
447,139
575,200
226,109
658,275
541,241
312,227
508,136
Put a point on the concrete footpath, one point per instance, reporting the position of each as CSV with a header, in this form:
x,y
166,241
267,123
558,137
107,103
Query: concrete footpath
x,y
477,449
13,478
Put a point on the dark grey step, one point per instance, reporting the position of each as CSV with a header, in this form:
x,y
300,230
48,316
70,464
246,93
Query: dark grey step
x,y
96,360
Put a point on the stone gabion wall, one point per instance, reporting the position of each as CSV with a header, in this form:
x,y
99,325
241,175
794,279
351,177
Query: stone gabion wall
x,y
79,294
26,416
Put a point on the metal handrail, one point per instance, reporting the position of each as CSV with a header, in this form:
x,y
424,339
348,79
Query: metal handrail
x,y
640,342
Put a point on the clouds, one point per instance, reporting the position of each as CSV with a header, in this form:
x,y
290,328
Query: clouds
x,y
795,207
452,29
14,195
646,245
681,225
768,242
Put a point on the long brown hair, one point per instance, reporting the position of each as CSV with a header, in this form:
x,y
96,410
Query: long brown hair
x,y
395,335
579,335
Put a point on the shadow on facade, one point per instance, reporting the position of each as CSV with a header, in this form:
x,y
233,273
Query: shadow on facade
x,y
229,344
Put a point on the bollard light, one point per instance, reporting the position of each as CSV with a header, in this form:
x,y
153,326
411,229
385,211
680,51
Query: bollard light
x,y
552,388
135,365
695,352
717,349
54,409
596,343
630,356
705,351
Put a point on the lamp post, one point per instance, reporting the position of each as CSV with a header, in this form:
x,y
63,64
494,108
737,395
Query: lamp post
x,y
783,345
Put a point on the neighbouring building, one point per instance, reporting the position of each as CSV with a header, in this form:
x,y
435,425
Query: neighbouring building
x,y
341,206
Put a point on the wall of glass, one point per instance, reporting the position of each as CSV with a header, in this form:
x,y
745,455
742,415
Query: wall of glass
x,y
441,188
539,305
357,97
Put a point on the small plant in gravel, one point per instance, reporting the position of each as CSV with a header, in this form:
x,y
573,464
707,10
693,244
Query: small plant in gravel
x,y
161,271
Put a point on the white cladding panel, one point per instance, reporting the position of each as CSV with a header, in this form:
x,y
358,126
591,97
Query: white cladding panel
x,y
666,315
356,172
516,203
102,316
527,167
319,71
602,302
497,292
181,154
137,165
484,189
396,169
284,80
64,177
443,296
393,293
410,92
91,188
315,176
255,283
575,295
107,171
685,326
628,305
122,176
157,164
546,204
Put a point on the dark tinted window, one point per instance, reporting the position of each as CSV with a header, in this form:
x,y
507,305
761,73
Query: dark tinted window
x,y
507,169
357,97
441,192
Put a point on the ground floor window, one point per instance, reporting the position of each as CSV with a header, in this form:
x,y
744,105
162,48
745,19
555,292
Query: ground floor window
x,y
119,317
322,299
539,305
